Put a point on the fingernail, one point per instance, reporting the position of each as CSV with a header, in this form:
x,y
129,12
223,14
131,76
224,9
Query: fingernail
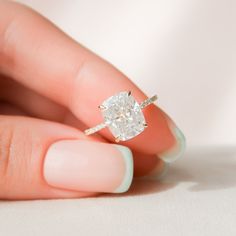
x,y
89,166
177,150
159,172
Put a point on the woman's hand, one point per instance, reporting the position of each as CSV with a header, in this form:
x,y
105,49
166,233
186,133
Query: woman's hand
x,y
50,88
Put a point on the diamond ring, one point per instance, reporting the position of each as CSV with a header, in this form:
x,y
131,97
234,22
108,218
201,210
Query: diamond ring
x,y
123,116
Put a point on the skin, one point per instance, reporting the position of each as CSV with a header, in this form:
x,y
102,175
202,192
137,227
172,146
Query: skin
x,y
47,83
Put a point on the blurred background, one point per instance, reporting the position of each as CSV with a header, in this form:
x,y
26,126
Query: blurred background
x,y
182,50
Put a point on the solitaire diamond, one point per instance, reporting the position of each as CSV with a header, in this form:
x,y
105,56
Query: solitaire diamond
x,y
123,116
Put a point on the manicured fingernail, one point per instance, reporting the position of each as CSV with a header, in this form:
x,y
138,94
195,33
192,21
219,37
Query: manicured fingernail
x,y
89,166
159,172
177,150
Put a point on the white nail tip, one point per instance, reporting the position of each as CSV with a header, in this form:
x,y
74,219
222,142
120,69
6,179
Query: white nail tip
x,y
128,158
177,151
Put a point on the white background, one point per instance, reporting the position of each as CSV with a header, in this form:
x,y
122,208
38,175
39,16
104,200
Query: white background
x,y
183,50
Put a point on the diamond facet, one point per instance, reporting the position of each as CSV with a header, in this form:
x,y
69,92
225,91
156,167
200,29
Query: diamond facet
x,y
123,116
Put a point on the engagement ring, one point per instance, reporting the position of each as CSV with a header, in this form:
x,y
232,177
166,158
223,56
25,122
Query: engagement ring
x,y
123,116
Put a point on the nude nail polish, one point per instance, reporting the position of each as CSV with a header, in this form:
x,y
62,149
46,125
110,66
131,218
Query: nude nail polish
x,y
88,166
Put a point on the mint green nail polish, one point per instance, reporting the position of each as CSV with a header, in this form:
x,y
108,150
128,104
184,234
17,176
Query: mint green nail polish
x,y
128,158
178,149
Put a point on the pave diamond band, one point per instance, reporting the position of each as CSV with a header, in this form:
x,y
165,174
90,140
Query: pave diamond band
x,y
148,101
123,116
95,129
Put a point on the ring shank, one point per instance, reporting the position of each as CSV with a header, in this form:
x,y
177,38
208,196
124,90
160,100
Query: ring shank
x,y
142,105
148,101
95,129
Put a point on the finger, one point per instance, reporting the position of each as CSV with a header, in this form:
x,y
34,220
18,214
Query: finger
x,y
35,105
40,159
31,102
52,64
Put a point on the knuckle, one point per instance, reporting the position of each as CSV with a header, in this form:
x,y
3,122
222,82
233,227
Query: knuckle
x,y
14,151
6,139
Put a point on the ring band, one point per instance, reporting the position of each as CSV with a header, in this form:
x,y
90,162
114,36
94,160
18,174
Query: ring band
x,y
123,116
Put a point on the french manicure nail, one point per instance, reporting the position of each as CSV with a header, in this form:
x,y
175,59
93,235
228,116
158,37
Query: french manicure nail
x,y
176,151
81,165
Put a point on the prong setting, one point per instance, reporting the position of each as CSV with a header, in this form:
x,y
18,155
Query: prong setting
x,y
117,139
102,107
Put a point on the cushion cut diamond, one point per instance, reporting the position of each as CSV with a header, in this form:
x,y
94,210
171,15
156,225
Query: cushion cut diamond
x,y
123,116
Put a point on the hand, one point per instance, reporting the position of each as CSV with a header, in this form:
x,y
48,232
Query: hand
x,y
50,88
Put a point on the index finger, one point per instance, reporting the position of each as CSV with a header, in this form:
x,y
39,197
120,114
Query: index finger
x,y
40,56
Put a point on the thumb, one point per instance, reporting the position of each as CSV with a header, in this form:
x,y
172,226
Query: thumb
x,y
41,159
